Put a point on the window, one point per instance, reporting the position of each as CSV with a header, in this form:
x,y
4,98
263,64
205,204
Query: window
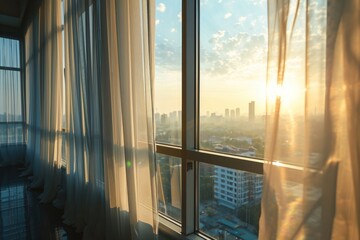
x,y
210,121
11,118
168,72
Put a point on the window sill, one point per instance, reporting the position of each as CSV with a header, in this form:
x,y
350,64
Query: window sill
x,y
170,230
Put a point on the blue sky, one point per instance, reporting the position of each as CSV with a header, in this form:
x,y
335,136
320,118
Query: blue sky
x,y
233,56
232,44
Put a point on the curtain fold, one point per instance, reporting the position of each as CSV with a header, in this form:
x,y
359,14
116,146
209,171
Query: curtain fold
x,y
111,191
44,97
311,185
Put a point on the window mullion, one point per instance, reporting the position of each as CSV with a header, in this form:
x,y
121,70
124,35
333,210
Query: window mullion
x,y
189,113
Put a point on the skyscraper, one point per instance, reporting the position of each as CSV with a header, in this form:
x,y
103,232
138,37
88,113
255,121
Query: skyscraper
x,y
237,112
227,112
251,111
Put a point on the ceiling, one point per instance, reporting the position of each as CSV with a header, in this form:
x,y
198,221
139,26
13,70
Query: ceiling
x,y
12,12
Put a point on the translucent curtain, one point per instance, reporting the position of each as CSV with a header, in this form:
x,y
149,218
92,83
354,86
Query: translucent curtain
x,y
311,183
110,150
131,194
84,206
51,78
11,119
33,108
44,77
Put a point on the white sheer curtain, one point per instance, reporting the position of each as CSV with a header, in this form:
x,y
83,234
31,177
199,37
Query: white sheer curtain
x,y
44,77
11,117
111,190
311,175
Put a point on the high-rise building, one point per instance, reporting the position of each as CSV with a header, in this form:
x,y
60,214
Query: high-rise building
x,y
237,112
157,118
164,119
234,188
227,113
179,118
232,113
251,111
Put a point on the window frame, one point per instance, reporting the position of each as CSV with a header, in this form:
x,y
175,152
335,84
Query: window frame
x,y
189,152
21,70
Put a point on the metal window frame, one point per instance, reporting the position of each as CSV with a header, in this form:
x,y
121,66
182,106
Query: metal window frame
x,y
21,70
189,152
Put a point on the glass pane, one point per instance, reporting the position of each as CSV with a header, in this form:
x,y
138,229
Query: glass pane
x,y
11,133
168,72
10,96
9,53
233,54
169,185
229,202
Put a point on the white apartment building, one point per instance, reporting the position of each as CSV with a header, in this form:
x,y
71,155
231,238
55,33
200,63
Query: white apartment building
x,y
234,188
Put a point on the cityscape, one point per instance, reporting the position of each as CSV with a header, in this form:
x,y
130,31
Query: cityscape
x,y
229,199
11,129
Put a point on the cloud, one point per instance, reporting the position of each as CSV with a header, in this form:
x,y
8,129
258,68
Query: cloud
x,y
227,15
179,16
167,53
161,7
258,2
173,30
215,40
204,2
241,20
229,53
219,1
219,34
253,23
157,21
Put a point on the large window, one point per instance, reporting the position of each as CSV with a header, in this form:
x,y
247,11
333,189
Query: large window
x,y
168,114
210,114
168,71
233,53
11,119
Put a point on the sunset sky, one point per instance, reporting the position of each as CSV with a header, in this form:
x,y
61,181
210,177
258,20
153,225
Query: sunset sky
x,y
233,56
233,51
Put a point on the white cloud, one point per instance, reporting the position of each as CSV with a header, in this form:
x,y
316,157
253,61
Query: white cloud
x,y
219,34
161,7
219,1
157,21
204,2
227,15
179,16
258,2
253,23
241,20
173,30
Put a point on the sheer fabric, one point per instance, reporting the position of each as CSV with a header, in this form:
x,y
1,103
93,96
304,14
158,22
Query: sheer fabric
x,y
11,114
311,173
110,150
44,68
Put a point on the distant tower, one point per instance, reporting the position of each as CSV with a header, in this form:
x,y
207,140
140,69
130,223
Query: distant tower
x,y
232,113
227,113
179,117
157,118
164,119
237,112
251,111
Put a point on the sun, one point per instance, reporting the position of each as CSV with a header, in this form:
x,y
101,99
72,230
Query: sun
x,y
289,94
